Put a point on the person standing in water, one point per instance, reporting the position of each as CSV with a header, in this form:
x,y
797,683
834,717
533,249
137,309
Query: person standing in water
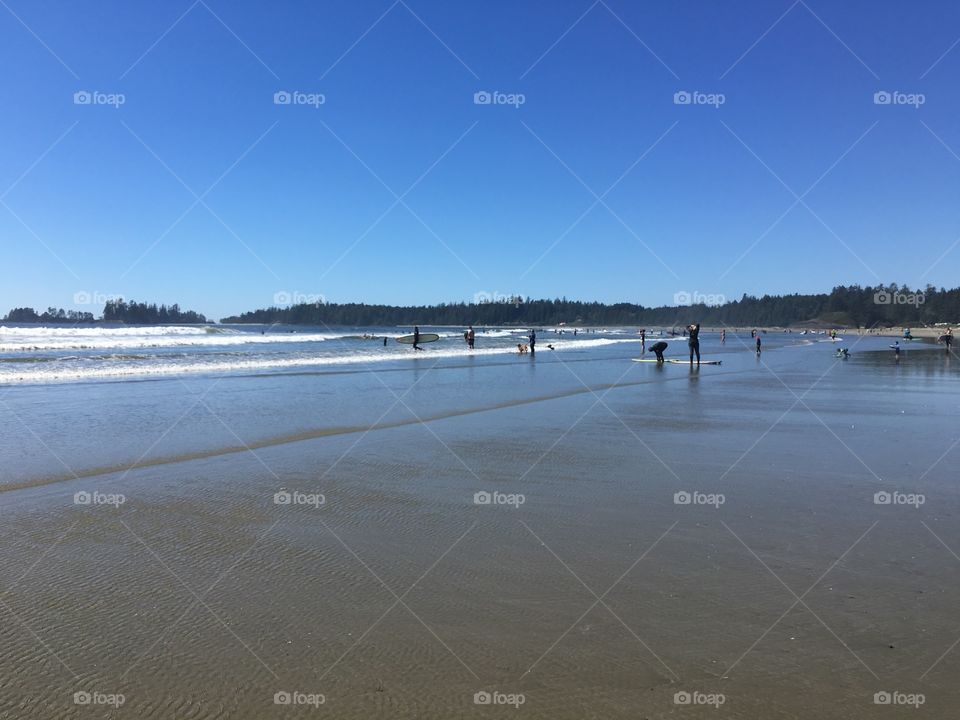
x,y
533,341
723,336
948,339
471,337
693,342
658,348
758,343
643,340
416,338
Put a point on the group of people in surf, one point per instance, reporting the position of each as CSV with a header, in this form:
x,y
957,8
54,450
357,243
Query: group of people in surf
x,y
470,336
692,333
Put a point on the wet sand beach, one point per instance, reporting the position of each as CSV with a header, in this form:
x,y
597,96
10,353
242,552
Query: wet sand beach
x,y
578,535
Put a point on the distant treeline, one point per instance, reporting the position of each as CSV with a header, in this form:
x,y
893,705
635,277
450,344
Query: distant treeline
x,y
52,315
852,306
118,311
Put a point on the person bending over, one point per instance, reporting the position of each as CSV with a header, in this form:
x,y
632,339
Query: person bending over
x,y
658,349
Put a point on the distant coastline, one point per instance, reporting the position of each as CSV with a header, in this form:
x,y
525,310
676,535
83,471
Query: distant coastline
x,y
115,312
843,307
873,308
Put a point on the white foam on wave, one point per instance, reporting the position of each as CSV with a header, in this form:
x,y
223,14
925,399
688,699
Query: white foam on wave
x,y
50,372
125,338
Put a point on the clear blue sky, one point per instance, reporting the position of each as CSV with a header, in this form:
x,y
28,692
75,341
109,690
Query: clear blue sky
x,y
95,198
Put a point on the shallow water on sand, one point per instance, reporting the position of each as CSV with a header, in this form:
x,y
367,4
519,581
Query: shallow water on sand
x,y
602,594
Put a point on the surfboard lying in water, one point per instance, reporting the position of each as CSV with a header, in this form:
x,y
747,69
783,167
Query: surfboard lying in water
x,y
424,338
677,361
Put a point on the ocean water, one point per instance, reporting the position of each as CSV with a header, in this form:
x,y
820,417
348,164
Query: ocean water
x,y
98,399
50,354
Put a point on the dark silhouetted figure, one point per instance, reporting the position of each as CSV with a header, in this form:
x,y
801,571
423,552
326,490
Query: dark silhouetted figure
x,y
694,342
658,349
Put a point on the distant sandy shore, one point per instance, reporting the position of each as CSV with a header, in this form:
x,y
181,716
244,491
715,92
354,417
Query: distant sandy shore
x,y
917,332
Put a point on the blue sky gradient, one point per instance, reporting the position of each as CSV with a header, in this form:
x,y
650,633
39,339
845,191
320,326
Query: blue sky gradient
x,y
97,200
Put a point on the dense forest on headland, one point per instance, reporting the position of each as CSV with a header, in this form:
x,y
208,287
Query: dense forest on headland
x,y
844,306
114,311
852,306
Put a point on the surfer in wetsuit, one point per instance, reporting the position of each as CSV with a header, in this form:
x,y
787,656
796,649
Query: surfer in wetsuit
x,y
533,341
758,343
658,349
416,337
948,339
471,337
694,342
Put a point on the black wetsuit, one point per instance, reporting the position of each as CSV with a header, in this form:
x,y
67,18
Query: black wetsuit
x,y
533,341
694,342
658,349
